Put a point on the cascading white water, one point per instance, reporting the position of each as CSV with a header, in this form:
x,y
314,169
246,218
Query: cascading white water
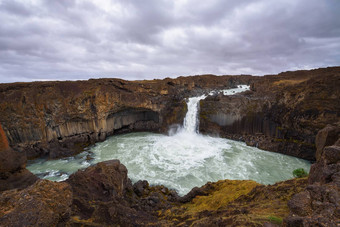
x,y
191,122
180,161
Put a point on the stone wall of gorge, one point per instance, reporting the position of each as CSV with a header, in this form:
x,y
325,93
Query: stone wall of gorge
x,y
281,113
57,119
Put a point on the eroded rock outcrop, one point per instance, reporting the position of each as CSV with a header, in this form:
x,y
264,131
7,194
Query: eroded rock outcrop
x,y
13,173
319,203
103,194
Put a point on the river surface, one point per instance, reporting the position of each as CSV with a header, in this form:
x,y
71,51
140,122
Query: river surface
x,y
181,160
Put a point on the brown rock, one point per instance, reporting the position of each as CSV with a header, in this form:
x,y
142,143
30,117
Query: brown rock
x,y
319,204
331,154
19,179
300,204
44,203
100,182
103,194
11,161
326,137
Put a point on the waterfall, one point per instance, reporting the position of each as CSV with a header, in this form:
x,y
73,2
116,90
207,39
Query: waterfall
x,y
191,121
182,160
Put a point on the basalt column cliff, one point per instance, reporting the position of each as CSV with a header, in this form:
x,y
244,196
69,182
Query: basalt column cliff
x,y
281,113
60,118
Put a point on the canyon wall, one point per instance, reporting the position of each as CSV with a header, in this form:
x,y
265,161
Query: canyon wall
x,y
281,113
58,119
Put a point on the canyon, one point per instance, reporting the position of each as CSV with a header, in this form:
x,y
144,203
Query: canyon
x,y
294,113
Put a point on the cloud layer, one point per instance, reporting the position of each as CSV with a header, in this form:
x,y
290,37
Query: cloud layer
x,y
133,39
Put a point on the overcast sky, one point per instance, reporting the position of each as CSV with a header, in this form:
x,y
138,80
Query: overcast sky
x,y
147,39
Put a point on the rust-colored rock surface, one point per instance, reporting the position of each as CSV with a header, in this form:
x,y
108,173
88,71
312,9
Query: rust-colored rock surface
x,y
13,173
3,140
44,203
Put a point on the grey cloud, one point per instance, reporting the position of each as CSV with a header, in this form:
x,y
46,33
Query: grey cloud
x,y
133,39
15,8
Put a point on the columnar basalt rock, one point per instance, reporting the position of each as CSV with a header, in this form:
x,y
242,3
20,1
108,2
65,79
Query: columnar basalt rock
x,y
57,119
281,113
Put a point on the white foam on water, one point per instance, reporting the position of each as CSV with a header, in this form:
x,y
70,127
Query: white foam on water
x,y
181,161
232,91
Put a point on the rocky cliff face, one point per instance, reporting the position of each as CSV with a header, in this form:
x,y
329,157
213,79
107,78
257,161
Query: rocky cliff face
x,y
13,173
281,113
319,203
60,118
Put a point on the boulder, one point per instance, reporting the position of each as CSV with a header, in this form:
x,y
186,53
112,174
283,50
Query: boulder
x,y
100,182
326,137
103,194
45,203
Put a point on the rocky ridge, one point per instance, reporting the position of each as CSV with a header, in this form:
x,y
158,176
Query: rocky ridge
x,y
281,113
57,119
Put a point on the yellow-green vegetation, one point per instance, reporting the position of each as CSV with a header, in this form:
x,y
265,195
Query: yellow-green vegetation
x,y
275,220
289,82
244,203
222,193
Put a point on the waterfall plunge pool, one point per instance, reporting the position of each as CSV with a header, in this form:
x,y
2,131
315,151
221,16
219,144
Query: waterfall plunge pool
x,y
180,161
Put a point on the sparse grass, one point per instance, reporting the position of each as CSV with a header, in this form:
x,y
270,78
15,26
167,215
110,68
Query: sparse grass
x,y
275,220
289,82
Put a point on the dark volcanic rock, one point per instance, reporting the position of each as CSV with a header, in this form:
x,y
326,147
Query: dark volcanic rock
x,y
319,204
44,203
103,194
57,119
326,137
100,182
281,113
13,173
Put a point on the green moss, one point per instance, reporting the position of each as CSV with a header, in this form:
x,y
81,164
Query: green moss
x,y
298,173
275,220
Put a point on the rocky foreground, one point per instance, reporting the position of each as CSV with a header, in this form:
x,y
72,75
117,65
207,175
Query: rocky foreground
x,y
295,113
103,195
